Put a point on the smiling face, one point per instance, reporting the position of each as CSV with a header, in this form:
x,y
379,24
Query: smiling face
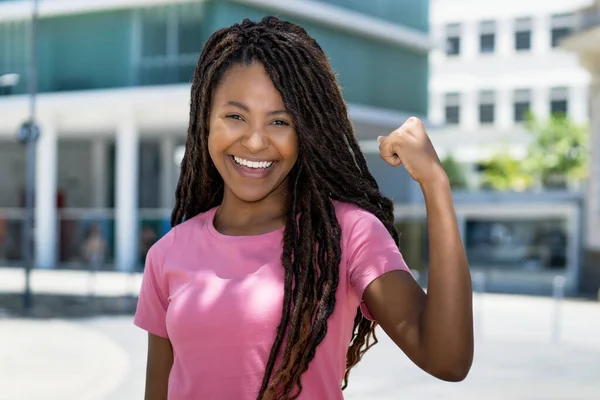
x,y
252,140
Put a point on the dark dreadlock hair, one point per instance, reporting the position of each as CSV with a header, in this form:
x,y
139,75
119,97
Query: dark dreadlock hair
x,y
330,166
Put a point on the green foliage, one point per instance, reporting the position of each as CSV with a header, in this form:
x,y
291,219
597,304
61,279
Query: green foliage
x,y
558,151
455,172
504,172
556,155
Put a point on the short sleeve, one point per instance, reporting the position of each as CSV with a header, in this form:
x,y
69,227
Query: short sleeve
x,y
152,303
371,251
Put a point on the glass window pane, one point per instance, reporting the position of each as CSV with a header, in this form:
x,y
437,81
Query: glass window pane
x,y
523,40
487,43
539,244
521,109
154,33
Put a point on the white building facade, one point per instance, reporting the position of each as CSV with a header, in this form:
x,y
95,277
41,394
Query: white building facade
x,y
496,60
585,43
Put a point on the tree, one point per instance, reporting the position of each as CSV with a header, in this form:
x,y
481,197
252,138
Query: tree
x,y
504,172
558,153
455,172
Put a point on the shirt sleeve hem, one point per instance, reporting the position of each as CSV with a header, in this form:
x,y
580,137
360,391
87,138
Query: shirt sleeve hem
x,y
158,331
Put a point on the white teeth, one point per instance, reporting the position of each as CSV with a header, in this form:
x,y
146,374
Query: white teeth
x,y
253,164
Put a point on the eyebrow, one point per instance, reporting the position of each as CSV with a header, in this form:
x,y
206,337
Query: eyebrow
x,y
247,109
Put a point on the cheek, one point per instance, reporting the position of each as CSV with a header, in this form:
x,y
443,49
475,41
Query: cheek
x,y
213,150
288,147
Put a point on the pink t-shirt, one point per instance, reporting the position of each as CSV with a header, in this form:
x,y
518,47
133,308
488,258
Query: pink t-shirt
x,y
218,299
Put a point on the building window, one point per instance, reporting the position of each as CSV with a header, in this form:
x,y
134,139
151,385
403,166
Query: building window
x,y
487,36
559,101
14,56
170,43
452,108
522,104
453,39
523,34
486,107
562,26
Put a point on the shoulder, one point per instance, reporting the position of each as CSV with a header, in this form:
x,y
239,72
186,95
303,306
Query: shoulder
x,y
357,223
176,239
350,215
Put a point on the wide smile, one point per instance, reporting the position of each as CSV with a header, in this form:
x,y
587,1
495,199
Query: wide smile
x,y
252,168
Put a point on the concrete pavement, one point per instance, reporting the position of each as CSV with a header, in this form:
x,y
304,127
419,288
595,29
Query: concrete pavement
x,y
519,355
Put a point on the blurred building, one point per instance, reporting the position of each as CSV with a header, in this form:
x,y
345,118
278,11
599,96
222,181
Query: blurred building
x,y
114,83
498,60
585,42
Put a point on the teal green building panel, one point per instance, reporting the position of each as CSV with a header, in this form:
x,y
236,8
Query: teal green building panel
x,y
86,51
371,72
410,13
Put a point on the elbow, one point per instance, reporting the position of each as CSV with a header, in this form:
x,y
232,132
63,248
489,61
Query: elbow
x,y
454,371
453,376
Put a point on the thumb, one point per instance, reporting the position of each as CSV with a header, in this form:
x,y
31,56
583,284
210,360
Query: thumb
x,y
380,139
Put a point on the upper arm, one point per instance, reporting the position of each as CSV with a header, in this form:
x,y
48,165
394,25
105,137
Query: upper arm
x,y
396,302
383,282
160,361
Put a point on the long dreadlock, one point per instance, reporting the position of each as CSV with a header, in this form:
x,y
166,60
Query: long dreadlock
x,y
329,156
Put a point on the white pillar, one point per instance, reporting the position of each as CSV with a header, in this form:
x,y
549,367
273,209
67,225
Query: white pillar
x,y
470,40
126,196
593,186
46,216
167,173
469,109
578,104
99,178
505,42
541,35
504,108
540,102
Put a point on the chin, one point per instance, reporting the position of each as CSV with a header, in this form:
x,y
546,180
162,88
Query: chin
x,y
251,196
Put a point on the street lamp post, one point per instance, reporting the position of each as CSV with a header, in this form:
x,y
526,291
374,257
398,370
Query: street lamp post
x,y
28,134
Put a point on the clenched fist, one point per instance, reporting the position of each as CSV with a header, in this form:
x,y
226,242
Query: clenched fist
x,y
410,146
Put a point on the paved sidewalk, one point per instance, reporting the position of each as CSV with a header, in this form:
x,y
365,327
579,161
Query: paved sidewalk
x,y
518,357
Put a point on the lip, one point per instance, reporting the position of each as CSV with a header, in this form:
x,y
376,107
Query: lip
x,y
255,173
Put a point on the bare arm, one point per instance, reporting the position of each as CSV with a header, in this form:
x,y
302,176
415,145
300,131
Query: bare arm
x,y
160,361
435,330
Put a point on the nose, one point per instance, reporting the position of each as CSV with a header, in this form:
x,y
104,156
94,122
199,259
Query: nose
x,y
255,141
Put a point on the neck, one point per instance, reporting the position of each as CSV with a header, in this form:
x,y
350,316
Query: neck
x,y
238,217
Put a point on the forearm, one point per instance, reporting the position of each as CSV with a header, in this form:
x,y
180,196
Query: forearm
x,y
447,320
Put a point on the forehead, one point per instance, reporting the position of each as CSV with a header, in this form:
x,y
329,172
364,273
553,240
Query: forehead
x,y
247,83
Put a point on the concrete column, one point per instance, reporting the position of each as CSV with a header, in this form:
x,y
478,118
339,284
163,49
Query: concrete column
x,y
470,40
593,186
540,102
540,35
504,109
578,104
46,215
167,173
505,37
99,178
126,196
469,109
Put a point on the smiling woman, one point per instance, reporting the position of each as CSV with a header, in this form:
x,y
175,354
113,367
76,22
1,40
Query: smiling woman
x,y
252,140
283,254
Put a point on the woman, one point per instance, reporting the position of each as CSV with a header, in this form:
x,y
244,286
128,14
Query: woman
x,y
283,253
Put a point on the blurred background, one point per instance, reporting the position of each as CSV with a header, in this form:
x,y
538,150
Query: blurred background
x,y
94,105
